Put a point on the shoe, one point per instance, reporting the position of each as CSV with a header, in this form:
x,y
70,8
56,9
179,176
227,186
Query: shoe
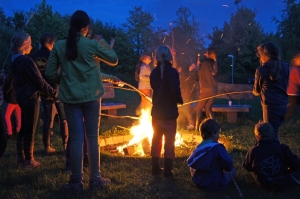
x,y
99,183
156,170
74,187
31,164
20,162
49,150
190,127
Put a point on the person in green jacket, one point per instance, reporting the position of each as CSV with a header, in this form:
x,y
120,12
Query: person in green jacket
x,y
72,65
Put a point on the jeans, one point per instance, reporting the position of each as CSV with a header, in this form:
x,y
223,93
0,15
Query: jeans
x,y
25,140
83,120
48,116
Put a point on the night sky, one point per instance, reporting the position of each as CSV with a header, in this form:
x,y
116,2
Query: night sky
x,y
209,13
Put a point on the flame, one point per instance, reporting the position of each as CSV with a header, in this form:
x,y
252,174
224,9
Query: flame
x,y
143,132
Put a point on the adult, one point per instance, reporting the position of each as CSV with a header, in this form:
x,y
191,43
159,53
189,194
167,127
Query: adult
x,y
271,80
47,41
28,83
208,85
165,83
80,90
144,80
293,89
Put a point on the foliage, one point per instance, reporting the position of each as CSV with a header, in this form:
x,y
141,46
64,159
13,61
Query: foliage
x,y
239,37
288,28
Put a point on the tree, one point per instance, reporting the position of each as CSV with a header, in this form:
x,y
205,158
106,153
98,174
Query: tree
x,y
288,28
240,37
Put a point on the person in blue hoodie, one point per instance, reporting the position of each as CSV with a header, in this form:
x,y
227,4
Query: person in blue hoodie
x,y
210,164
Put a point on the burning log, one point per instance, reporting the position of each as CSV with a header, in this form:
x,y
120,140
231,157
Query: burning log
x,y
130,150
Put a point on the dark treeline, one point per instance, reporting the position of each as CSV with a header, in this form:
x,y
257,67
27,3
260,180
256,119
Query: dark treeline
x,y
239,36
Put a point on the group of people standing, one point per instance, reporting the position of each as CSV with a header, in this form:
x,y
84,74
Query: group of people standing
x,y
71,63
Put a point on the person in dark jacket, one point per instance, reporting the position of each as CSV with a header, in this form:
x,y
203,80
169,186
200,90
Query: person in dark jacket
x,y
210,163
165,83
269,162
47,41
271,80
208,85
28,83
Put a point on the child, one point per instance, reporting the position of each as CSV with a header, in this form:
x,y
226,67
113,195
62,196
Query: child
x,y
270,162
210,163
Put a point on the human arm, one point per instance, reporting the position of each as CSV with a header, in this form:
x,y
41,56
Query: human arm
x,y
53,69
144,73
248,161
175,86
105,53
257,84
225,159
110,78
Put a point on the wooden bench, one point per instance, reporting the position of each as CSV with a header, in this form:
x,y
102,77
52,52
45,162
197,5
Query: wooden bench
x,y
231,111
110,107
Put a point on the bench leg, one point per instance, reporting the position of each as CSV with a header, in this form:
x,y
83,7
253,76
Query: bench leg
x,y
112,112
232,117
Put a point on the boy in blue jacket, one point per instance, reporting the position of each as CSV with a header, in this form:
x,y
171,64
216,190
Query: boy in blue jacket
x,y
210,163
270,162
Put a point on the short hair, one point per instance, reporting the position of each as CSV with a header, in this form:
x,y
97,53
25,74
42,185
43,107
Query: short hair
x,y
163,53
208,128
18,41
47,38
264,130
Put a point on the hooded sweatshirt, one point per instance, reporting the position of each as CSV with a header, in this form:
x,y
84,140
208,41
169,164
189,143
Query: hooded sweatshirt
x,y
207,164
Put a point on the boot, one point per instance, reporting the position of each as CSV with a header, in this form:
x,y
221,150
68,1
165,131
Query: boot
x,y
156,170
168,166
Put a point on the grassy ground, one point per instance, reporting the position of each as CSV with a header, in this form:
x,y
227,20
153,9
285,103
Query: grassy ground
x,y
131,176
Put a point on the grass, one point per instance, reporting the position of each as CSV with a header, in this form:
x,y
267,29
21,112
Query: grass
x,y
131,176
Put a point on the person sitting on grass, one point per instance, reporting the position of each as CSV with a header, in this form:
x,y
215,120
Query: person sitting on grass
x,y
270,162
210,164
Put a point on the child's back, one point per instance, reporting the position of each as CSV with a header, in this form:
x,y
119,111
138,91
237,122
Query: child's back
x,y
209,161
269,161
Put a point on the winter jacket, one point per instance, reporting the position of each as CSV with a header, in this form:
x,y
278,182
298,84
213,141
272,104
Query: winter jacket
x,y
166,92
208,163
80,80
271,163
272,92
28,81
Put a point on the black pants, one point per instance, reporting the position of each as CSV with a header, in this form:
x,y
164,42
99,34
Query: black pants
x,y
3,136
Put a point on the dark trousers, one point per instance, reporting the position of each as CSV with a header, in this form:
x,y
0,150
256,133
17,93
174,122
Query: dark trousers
x,y
3,137
274,117
25,140
294,101
166,128
48,116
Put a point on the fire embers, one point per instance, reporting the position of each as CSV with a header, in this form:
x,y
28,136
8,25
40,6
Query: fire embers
x,y
141,149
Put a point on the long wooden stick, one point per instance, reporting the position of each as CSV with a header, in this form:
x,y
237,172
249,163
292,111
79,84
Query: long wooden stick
x,y
236,185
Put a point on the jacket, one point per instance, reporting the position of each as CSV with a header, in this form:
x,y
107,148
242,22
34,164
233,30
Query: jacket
x,y
28,81
271,163
80,80
272,93
166,92
208,162
294,81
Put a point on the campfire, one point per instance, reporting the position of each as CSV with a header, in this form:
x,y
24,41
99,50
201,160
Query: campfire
x,y
140,144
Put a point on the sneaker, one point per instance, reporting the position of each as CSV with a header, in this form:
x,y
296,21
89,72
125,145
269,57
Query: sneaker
x,y
99,183
31,164
190,127
74,187
49,150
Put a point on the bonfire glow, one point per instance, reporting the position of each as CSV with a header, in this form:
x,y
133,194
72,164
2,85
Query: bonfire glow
x,y
142,136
